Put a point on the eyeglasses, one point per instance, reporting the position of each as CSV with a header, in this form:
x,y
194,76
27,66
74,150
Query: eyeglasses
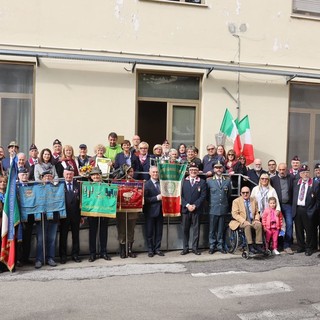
x,y
210,149
271,164
245,192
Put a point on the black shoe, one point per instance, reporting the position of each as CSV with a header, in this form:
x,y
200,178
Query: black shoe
x,y
300,250
223,251
184,252
27,262
76,259
150,254
105,257
196,252
211,251
252,249
160,253
308,253
92,258
260,249
63,260
19,264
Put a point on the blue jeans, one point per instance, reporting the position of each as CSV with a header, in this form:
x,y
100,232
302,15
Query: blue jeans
x,y
287,214
50,233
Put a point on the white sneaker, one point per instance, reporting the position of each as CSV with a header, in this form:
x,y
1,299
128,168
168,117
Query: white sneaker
x,y
275,252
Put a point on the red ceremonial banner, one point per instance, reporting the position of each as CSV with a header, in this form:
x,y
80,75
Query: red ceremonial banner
x,y
130,195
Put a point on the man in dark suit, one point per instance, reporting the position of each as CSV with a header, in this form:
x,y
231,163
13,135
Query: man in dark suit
x,y
194,191
72,197
153,213
283,184
13,149
219,191
305,193
316,223
255,173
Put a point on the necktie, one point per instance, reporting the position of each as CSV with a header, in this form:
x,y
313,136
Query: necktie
x,y
157,185
192,182
248,210
302,191
219,181
69,187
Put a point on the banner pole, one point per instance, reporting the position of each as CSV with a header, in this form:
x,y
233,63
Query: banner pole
x,y
168,223
43,239
98,244
127,250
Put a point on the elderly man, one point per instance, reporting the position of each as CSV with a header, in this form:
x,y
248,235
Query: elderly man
x,y
83,159
153,213
72,200
34,155
193,195
23,163
135,145
304,204
219,191
246,216
255,173
283,184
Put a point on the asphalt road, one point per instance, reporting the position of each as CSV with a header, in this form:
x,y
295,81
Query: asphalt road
x,y
170,287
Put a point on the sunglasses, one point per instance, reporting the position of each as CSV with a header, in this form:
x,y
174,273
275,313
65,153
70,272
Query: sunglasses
x,y
245,192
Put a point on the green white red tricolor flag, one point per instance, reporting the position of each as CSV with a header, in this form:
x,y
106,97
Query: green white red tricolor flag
x,y
10,219
239,133
171,176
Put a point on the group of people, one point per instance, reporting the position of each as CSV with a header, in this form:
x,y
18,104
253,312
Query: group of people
x,y
268,198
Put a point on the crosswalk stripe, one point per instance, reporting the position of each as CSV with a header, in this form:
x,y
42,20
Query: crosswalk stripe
x,y
201,274
307,312
251,289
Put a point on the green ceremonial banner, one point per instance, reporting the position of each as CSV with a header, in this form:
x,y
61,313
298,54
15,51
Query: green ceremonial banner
x,y
99,200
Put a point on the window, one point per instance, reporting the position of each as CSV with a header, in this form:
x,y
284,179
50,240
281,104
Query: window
x,y
307,8
168,108
16,101
304,123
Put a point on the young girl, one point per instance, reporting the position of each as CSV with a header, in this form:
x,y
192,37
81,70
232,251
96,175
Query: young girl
x,y
272,224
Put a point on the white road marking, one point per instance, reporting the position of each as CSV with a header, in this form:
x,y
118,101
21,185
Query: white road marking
x,y
308,312
201,274
251,289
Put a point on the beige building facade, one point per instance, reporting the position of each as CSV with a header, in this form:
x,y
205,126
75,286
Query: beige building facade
x,y
162,69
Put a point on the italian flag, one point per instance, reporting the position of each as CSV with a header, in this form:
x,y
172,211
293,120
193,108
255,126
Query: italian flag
x,y
10,219
230,129
171,176
245,134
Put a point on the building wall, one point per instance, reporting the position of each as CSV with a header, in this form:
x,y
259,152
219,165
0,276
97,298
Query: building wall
x,y
95,98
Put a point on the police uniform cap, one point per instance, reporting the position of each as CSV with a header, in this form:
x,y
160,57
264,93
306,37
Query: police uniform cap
x,y
193,166
218,165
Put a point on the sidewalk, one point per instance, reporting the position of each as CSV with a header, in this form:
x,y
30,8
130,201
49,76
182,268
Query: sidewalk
x,y
142,258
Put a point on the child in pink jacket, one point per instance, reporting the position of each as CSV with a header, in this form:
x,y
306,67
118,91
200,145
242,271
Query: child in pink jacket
x,y
272,223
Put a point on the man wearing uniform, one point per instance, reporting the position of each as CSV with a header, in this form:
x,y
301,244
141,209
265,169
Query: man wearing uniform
x,y
219,190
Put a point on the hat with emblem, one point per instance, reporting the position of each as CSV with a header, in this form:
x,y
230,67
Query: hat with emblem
x,y
13,144
193,166
23,170
46,172
218,164
317,166
83,146
295,158
69,168
304,168
95,170
57,141
33,147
